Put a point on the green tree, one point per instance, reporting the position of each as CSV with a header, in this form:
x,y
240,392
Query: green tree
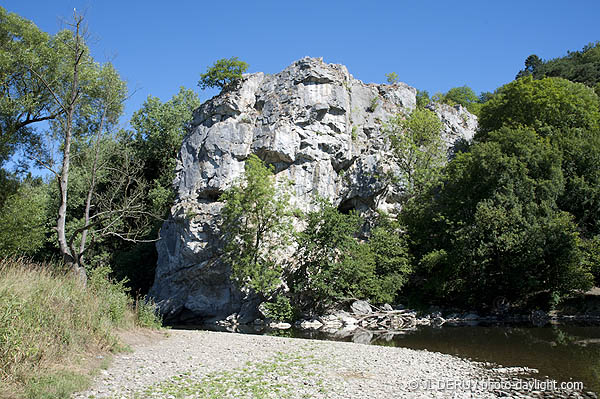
x,y
417,148
533,64
569,115
463,95
332,264
577,66
549,103
159,129
89,97
493,228
581,168
222,73
422,98
591,256
393,264
256,229
23,218
9,183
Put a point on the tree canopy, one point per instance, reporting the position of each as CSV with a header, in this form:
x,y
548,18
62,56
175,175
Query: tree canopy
x,y
222,73
577,66
541,104
494,228
418,149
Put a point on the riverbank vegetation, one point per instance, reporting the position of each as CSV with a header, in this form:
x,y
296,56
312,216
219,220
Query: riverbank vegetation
x,y
54,331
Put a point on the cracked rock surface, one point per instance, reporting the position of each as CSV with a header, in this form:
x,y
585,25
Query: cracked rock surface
x,y
323,131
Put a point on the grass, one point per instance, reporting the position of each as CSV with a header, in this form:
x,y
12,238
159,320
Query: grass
x,y
279,377
51,326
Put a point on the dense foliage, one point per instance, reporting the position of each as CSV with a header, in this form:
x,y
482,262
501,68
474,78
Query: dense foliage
x,y
544,105
493,228
577,66
418,149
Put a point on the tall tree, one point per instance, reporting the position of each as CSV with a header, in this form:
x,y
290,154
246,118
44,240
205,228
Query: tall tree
x,y
256,229
549,103
159,129
90,99
577,66
569,115
418,149
532,66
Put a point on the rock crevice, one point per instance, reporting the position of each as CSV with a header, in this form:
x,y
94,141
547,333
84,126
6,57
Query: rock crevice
x,y
321,128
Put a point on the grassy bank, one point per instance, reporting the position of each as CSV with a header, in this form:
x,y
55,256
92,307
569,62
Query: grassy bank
x,y
54,332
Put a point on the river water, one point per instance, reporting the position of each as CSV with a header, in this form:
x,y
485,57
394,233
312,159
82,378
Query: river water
x,y
559,352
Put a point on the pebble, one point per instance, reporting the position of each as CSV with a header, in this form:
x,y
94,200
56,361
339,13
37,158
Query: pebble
x,y
337,369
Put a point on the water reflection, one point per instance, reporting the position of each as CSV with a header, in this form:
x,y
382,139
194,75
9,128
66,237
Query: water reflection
x,y
560,352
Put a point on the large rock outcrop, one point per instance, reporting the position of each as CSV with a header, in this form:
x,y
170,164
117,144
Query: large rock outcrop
x,y
320,127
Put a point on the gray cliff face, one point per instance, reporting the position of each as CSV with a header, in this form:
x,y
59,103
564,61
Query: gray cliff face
x,y
320,127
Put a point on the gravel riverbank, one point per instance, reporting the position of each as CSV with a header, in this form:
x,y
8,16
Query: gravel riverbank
x,y
202,364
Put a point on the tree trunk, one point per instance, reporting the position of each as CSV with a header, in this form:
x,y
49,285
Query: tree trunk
x,y
88,200
70,258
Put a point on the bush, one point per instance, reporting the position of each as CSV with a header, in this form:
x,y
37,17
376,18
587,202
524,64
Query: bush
x,y
389,247
423,98
147,313
116,302
591,257
280,309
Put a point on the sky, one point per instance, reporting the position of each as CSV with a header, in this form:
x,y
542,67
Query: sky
x,y
158,46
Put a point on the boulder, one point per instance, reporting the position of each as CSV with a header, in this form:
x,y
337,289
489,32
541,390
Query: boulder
x,y
387,307
361,307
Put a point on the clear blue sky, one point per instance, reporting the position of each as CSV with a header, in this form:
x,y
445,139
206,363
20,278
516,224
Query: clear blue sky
x,y
158,46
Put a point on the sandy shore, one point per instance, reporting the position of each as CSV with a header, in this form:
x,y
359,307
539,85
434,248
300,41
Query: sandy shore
x,y
202,364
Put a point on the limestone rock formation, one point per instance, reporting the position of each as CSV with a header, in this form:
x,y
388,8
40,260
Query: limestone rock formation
x,y
320,127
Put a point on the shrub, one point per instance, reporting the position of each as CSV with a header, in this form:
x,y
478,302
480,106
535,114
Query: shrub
x,y
147,313
391,77
372,105
280,309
